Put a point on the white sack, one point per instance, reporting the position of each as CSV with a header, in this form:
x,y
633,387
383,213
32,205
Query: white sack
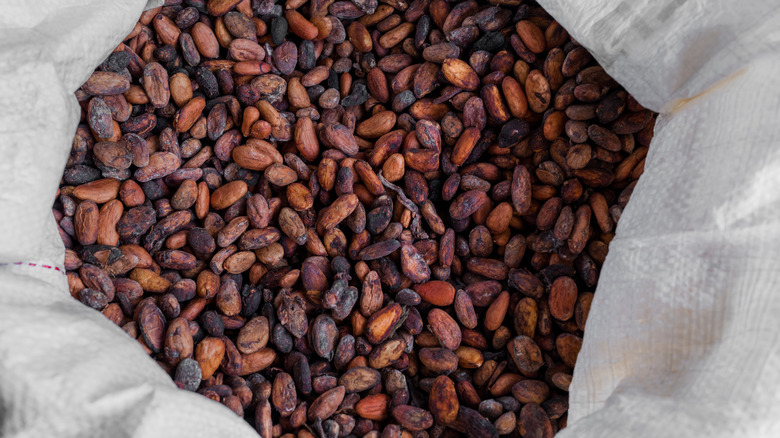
x,y
66,370
683,337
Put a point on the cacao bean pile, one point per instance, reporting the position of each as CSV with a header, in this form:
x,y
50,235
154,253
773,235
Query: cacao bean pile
x,y
353,217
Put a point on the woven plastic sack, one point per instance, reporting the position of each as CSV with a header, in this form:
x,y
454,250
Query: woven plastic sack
x,y
682,335
682,338
66,370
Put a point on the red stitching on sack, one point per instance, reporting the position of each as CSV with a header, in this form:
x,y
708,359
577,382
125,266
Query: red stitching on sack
x,y
35,265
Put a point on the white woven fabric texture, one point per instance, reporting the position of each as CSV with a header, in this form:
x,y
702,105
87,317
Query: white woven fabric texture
x,y
682,339
65,370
